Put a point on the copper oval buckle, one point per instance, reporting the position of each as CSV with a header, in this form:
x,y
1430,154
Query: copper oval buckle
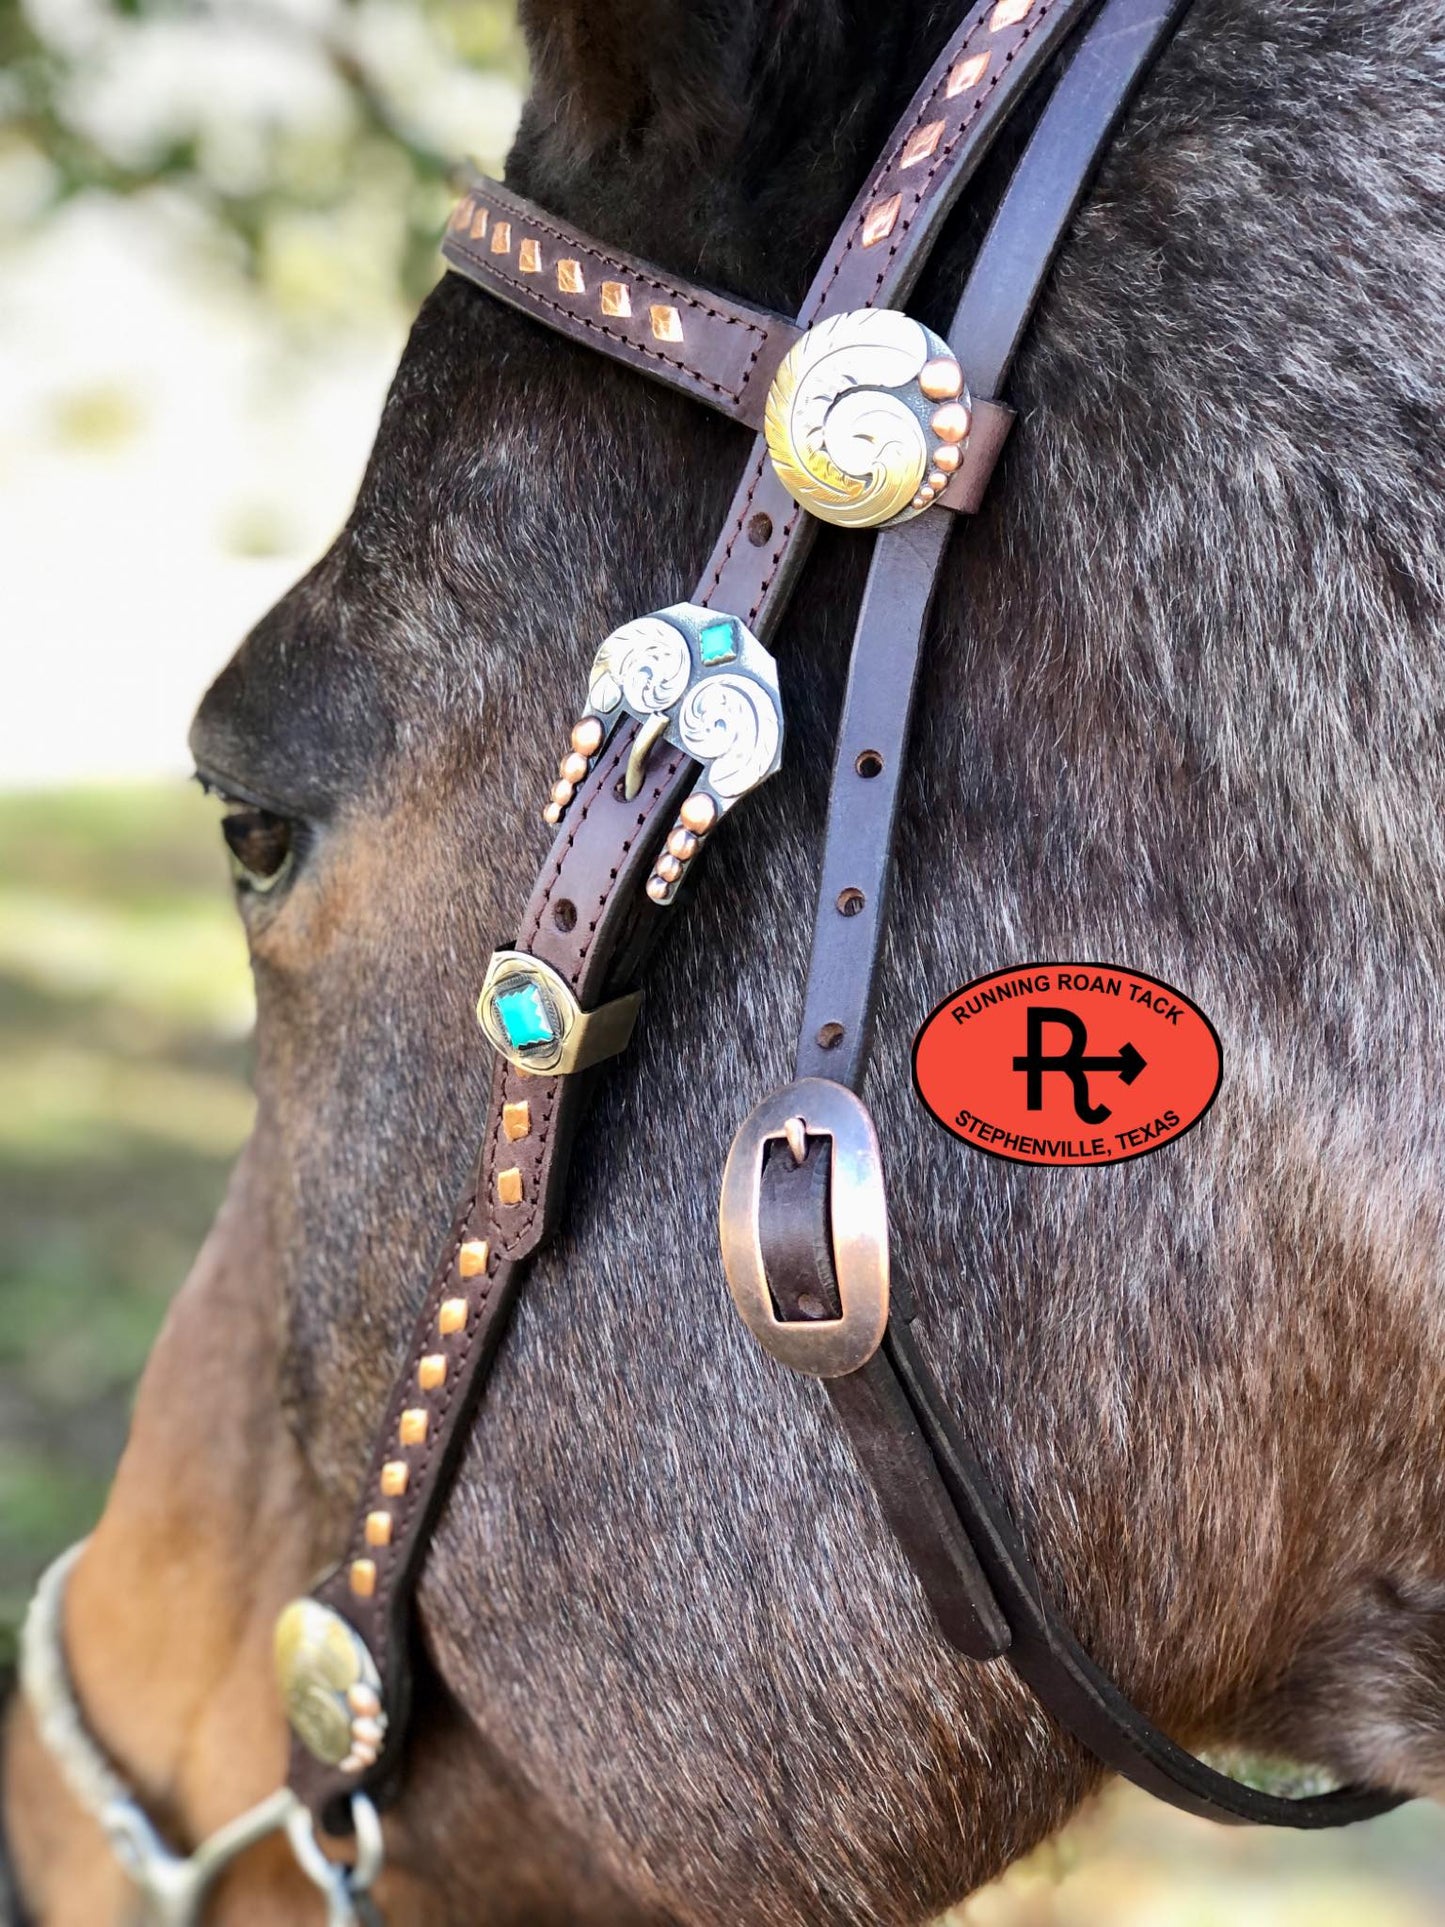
x,y
826,1347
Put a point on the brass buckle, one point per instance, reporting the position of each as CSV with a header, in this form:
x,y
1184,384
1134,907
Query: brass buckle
x,y
531,1016
828,1347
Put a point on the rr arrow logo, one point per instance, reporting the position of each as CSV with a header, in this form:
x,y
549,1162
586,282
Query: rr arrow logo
x,y
1071,1062
1019,1064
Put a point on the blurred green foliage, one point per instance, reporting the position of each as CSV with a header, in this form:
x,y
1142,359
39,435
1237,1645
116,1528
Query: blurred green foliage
x,y
125,1004
313,143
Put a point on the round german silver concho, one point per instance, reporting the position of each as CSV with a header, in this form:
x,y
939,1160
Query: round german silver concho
x,y
329,1685
867,419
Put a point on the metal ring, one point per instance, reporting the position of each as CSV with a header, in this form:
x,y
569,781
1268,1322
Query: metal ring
x,y
342,1885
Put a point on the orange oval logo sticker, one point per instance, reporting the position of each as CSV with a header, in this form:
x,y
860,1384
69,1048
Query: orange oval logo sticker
x,y
1055,1063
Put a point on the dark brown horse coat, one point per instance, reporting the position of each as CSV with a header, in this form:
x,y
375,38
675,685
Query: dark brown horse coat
x,y
1183,709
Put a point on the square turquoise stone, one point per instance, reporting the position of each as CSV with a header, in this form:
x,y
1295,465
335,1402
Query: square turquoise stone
x,y
524,1016
716,643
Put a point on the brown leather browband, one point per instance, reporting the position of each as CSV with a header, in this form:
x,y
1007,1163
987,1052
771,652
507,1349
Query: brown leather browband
x,y
634,806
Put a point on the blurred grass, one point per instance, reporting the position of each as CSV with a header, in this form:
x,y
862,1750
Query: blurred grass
x,y
124,1008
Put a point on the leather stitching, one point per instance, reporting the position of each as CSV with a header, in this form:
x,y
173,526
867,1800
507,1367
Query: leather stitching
x,y
396,1565
534,297
478,257
890,167
520,210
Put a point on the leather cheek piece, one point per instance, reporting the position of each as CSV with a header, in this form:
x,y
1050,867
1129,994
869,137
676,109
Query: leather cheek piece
x,y
794,1232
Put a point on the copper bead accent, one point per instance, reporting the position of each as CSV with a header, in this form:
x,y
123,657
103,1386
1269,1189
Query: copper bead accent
x,y
509,1186
668,868
452,1316
574,767
587,736
562,793
431,1373
552,814
378,1528
921,146
412,1430
941,379
394,1477
472,1258
683,845
517,1120
698,814
879,221
658,889
363,1577
937,480
950,423
968,73
947,459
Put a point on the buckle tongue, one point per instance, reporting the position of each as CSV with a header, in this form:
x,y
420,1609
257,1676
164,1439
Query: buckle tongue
x,y
813,1108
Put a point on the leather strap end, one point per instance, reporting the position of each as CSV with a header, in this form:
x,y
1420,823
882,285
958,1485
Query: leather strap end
x,y
794,1230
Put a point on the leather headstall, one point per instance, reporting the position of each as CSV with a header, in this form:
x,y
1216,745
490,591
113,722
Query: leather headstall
x,y
681,719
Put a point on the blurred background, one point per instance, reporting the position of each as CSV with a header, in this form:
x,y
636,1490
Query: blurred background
x,y
216,219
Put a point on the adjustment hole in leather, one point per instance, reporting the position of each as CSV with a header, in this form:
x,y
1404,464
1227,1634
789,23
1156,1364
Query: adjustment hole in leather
x,y
870,763
830,1036
851,902
760,530
564,915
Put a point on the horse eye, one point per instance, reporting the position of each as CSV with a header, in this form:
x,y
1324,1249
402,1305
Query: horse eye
x,y
261,846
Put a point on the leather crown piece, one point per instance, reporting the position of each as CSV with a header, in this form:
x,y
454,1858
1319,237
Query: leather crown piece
x,y
869,420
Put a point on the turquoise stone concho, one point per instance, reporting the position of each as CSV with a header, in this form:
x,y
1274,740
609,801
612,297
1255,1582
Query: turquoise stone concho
x,y
707,678
525,1018
700,679
531,1016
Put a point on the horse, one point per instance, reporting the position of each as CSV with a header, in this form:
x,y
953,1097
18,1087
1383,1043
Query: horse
x,y
1181,709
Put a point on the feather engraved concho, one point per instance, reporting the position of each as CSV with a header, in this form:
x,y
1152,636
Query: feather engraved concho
x,y
867,419
700,679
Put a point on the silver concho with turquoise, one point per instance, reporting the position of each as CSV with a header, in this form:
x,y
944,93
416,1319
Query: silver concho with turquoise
x,y
705,683
699,679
